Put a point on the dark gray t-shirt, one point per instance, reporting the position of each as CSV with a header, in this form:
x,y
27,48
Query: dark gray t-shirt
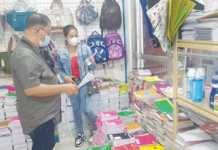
x,y
29,70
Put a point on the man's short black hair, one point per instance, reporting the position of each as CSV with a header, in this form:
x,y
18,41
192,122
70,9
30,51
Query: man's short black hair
x,y
37,19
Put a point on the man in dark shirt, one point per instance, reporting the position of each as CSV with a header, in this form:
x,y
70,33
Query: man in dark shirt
x,y
38,89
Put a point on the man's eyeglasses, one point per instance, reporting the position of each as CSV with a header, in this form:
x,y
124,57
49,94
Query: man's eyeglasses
x,y
48,32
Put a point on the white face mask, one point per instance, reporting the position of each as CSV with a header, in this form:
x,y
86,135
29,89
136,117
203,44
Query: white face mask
x,y
73,41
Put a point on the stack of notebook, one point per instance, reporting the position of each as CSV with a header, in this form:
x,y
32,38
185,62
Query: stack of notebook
x,y
192,137
5,136
18,138
106,147
113,126
127,116
204,146
105,116
10,106
3,91
2,112
140,133
29,142
120,139
114,97
95,98
104,99
124,100
133,127
152,147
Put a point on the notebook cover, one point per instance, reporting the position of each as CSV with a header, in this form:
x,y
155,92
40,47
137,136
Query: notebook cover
x,y
125,113
119,136
140,133
145,93
145,140
132,146
133,126
210,128
164,106
107,114
115,122
153,147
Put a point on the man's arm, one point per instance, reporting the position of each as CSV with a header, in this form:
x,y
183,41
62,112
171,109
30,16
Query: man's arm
x,y
44,90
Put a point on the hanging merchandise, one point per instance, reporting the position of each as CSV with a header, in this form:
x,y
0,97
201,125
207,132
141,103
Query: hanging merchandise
x,y
115,45
50,53
110,18
59,17
5,64
2,24
86,13
158,15
17,18
98,45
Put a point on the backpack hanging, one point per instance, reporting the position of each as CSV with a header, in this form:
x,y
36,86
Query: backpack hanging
x,y
115,45
86,13
98,45
110,18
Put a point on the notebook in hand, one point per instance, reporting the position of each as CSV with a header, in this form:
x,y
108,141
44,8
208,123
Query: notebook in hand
x,y
145,140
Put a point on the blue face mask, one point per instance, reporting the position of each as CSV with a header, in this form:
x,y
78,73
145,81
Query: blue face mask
x,y
46,42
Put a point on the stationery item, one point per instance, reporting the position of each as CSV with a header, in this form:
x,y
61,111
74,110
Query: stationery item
x,y
152,147
120,139
16,18
140,133
157,87
145,140
87,79
204,146
59,17
131,146
111,115
189,138
132,127
107,147
210,128
152,79
164,106
145,93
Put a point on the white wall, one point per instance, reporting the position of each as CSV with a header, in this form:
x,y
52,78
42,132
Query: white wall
x,y
116,72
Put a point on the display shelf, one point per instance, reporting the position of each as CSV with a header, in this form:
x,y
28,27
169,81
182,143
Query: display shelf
x,y
200,45
201,108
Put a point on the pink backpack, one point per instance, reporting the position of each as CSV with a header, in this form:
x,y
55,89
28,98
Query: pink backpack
x,y
115,45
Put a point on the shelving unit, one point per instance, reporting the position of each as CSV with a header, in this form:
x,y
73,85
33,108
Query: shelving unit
x,y
201,108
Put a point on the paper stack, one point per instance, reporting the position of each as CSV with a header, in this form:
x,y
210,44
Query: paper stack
x,y
127,116
140,133
105,116
3,91
95,98
204,146
106,147
131,146
120,139
10,106
152,147
18,138
113,126
114,97
124,100
5,136
104,99
29,142
192,137
2,113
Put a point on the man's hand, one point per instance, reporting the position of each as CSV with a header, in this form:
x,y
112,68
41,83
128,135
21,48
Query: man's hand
x,y
92,58
69,79
71,89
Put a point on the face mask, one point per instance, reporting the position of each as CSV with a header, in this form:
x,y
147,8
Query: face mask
x,y
46,42
73,41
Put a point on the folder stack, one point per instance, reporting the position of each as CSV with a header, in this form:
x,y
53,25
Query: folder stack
x,y
114,97
95,98
124,100
104,98
5,136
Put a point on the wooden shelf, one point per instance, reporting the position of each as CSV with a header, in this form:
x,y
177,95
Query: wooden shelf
x,y
201,108
199,45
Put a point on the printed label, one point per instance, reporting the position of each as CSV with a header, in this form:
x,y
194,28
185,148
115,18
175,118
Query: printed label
x,y
216,102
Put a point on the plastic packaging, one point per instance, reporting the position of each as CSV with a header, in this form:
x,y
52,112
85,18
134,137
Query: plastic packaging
x,y
197,89
202,74
189,77
214,90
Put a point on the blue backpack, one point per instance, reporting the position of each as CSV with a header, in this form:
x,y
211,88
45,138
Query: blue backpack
x,y
98,45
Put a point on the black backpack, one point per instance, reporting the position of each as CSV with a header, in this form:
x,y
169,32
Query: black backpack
x,y
110,18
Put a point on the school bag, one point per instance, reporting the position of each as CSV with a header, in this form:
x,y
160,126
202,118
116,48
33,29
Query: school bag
x,y
98,45
110,18
115,45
